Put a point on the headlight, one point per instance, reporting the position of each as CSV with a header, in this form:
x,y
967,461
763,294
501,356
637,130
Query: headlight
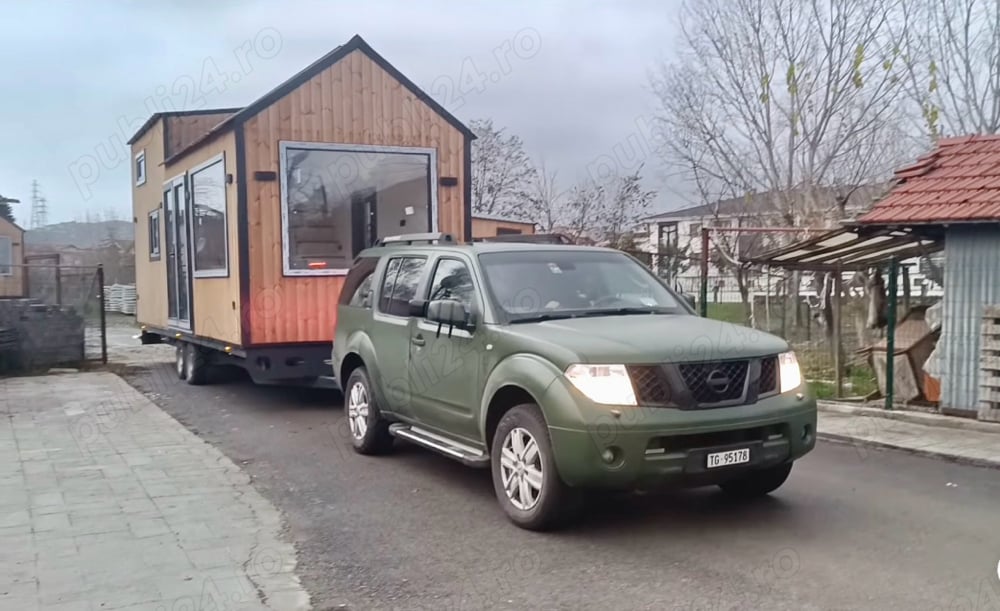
x,y
789,373
608,384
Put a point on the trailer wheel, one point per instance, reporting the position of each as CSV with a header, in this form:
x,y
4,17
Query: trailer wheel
x,y
196,363
180,352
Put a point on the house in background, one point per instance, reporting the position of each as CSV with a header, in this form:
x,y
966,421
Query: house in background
x,y
680,230
486,226
11,259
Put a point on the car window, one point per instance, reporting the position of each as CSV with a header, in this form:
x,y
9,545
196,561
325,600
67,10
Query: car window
x,y
400,285
452,280
358,284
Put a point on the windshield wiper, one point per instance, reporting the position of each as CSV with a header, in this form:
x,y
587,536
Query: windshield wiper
x,y
626,310
543,317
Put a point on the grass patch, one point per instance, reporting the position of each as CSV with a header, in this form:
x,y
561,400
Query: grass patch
x,y
859,381
728,312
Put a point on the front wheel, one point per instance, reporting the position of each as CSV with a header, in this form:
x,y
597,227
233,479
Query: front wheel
x,y
525,478
757,483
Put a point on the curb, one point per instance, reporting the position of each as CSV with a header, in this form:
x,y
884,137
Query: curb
x,y
935,420
954,458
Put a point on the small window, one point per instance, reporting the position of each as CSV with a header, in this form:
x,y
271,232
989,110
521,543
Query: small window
x,y
508,231
154,235
140,168
208,195
452,280
402,276
6,257
358,284
695,230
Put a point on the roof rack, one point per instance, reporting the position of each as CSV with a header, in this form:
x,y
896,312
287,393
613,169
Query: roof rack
x,y
529,238
409,239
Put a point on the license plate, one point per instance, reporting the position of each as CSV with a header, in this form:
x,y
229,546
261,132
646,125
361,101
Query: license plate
x,y
729,457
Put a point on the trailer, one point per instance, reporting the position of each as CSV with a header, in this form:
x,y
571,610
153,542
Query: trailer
x,y
248,219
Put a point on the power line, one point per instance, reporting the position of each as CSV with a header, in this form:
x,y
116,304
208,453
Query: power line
x,y
39,207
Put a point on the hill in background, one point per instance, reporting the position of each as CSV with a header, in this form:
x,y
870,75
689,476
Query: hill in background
x,y
80,234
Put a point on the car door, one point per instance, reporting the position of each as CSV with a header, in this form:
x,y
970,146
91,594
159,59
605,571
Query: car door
x,y
390,333
444,366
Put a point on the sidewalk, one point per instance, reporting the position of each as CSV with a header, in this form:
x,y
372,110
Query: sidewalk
x,y
108,503
958,439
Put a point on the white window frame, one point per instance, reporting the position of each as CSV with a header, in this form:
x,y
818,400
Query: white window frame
x,y
283,147
155,256
222,272
10,249
140,177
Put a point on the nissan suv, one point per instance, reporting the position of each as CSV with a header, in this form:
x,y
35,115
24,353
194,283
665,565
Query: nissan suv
x,y
561,368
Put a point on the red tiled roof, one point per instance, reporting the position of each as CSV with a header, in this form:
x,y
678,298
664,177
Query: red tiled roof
x,y
957,181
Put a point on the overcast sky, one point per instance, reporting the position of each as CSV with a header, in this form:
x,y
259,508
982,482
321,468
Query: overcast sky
x,y
78,78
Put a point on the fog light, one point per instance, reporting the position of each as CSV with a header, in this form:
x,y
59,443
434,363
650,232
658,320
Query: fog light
x,y
608,455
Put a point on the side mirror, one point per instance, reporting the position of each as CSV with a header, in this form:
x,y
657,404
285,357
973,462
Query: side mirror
x,y
448,312
418,308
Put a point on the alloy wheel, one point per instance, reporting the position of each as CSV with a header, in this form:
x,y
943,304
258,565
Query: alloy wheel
x,y
521,469
357,410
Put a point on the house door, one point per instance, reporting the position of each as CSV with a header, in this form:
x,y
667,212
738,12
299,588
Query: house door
x,y
178,254
364,221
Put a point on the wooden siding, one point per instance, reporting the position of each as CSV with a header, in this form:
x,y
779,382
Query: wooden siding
x,y
487,228
352,102
13,285
215,302
184,129
150,276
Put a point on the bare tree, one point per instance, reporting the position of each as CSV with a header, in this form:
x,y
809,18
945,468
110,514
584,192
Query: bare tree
x,y
545,203
501,171
609,212
952,52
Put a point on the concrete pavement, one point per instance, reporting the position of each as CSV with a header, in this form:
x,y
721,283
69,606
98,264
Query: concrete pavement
x,y
106,502
957,439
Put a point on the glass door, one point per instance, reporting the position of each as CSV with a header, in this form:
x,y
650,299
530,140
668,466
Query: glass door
x,y
178,254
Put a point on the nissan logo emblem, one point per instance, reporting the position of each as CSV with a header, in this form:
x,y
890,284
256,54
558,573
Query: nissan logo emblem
x,y
718,381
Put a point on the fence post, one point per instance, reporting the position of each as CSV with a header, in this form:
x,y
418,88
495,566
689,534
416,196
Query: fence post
x,y
703,298
890,338
838,365
104,322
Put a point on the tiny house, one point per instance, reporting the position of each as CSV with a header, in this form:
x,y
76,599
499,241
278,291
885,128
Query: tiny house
x,y
12,276
248,219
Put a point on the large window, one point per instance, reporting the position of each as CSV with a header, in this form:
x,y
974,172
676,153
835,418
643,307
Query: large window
x,y
338,200
208,193
6,257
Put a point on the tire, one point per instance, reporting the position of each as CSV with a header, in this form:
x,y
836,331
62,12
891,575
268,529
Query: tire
x,y
551,503
758,483
195,364
180,352
368,430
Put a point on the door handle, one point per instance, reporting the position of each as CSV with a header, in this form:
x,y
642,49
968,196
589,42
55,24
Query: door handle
x,y
417,340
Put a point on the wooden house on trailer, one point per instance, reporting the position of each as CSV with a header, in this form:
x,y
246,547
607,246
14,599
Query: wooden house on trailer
x,y
254,215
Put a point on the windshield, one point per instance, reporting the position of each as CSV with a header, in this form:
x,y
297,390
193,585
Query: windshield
x,y
545,284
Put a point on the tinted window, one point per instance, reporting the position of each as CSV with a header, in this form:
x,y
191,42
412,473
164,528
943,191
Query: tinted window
x,y
358,284
400,285
452,280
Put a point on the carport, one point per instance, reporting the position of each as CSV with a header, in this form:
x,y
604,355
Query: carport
x,y
858,248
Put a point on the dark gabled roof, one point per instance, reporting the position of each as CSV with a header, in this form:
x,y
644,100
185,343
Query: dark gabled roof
x,y
356,43
177,113
859,198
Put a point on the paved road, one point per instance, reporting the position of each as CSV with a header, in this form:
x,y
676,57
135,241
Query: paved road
x,y
853,528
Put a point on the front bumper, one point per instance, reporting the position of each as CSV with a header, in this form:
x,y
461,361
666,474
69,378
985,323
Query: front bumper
x,y
656,446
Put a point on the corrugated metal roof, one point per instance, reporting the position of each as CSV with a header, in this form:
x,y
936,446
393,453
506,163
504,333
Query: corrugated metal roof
x,y
851,248
959,181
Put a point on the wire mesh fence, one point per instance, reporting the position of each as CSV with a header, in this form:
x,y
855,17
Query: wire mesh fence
x,y
842,350
51,315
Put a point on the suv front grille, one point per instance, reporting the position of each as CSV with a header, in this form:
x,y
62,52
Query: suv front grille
x,y
715,382
651,386
768,376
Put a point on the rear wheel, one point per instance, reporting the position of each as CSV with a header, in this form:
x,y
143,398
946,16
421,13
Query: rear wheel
x,y
757,483
179,354
195,364
525,478
369,431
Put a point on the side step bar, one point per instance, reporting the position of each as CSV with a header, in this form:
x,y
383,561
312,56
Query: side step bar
x,y
467,455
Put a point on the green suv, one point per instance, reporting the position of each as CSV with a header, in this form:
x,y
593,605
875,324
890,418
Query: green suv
x,y
561,368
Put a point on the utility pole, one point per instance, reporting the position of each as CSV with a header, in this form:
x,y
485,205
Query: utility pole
x,y
39,207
